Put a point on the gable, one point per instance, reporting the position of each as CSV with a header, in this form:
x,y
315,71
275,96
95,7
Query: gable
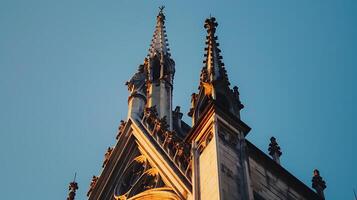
x,y
139,167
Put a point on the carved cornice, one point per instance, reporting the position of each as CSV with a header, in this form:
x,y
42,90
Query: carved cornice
x,y
162,159
178,150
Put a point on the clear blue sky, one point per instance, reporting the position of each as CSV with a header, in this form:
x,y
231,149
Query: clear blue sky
x,y
63,65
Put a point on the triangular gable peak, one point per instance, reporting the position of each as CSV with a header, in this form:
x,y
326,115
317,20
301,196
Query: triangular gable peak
x,y
148,166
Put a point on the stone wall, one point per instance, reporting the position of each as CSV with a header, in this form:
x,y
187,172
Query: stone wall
x,y
208,167
229,175
268,185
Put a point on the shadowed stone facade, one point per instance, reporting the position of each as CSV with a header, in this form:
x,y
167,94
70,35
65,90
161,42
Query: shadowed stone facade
x,y
159,156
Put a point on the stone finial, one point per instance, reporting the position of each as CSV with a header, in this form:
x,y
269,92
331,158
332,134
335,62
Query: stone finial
x,y
211,24
236,96
92,185
213,69
159,43
318,184
193,104
107,156
274,150
161,9
177,116
177,111
161,15
120,128
73,187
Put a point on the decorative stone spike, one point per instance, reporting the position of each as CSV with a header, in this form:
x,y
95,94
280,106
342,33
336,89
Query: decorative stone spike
x,y
274,150
318,184
213,66
73,187
92,185
120,128
236,96
159,42
107,156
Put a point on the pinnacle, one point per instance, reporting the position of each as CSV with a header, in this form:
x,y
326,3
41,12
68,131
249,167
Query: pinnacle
x,y
159,43
213,68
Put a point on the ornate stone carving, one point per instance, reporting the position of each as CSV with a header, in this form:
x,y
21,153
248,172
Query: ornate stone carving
x,y
274,150
137,84
138,177
150,114
73,187
92,185
236,97
121,128
318,184
107,156
170,143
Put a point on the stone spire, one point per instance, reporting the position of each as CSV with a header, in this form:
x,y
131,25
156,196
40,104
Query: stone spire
x,y
213,70
274,150
159,43
73,187
214,83
160,71
318,184
152,84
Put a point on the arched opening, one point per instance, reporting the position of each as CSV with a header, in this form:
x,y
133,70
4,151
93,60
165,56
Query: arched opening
x,y
156,68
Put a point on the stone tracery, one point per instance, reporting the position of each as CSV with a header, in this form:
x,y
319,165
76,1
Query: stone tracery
x,y
138,177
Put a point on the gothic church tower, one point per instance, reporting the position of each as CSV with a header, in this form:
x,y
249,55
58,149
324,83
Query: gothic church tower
x,y
158,156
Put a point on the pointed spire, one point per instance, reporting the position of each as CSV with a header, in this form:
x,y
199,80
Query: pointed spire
x,y
159,43
213,69
318,184
274,150
160,71
73,187
214,83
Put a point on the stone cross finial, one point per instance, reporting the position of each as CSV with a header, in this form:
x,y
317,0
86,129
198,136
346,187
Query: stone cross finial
x,y
161,9
274,150
318,184
73,187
